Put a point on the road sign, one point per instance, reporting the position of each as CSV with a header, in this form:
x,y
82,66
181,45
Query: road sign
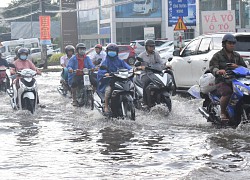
x,y
178,8
180,25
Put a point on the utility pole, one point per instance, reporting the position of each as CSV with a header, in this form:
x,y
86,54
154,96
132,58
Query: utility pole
x,y
43,46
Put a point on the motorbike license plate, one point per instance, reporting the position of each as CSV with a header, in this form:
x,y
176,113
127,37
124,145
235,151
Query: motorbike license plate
x,y
86,80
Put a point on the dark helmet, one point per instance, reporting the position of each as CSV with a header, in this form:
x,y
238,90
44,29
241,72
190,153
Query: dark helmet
x,y
98,46
17,48
69,48
21,51
112,47
80,45
149,42
228,37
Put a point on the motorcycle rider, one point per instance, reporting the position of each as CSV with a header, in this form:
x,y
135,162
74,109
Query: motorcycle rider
x,y
218,66
112,63
69,50
150,57
77,63
99,55
24,63
16,51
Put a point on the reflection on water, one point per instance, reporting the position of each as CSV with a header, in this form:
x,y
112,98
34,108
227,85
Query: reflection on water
x,y
28,132
115,142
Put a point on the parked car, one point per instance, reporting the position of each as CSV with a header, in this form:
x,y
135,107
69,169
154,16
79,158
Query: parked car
x,y
139,47
193,60
164,47
126,53
168,54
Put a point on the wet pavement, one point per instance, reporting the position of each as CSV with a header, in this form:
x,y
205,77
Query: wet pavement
x,y
65,142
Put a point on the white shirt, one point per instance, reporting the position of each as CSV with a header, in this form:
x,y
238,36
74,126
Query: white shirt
x,y
64,60
96,56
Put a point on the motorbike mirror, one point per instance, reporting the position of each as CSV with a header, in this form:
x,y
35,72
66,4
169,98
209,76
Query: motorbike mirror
x,y
12,65
103,67
138,63
139,59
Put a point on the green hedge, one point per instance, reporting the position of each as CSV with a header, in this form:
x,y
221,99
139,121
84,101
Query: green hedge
x,y
55,59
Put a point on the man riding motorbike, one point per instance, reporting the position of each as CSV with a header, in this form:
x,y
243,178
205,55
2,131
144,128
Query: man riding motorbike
x,y
223,59
112,63
150,57
77,63
69,50
99,55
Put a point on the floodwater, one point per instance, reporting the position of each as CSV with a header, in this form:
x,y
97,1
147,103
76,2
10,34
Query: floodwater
x,y
65,142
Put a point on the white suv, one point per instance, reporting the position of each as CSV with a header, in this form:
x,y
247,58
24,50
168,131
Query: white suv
x,y
189,64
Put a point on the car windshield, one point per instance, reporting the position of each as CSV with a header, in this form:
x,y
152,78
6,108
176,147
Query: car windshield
x,y
242,43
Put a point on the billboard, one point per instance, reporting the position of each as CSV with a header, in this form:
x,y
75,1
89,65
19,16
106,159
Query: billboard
x,y
218,21
139,9
184,8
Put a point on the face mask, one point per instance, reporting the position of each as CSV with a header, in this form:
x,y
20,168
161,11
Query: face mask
x,y
23,57
82,52
112,53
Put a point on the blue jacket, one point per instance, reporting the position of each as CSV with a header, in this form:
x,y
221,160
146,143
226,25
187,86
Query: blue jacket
x,y
112,64
73,64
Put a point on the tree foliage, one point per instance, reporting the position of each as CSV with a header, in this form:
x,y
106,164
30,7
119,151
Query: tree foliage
x,y
19,8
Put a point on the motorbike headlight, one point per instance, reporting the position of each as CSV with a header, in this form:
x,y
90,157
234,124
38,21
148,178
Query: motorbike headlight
x,y
85,71
244,90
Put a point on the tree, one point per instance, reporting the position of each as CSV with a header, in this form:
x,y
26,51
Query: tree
x,y
19,8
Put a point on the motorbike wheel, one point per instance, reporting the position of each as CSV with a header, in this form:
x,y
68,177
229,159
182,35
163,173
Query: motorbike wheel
x,y
30,105
89,99
129,109
168,103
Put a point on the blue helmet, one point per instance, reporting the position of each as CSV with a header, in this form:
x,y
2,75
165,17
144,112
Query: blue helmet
x,y
229,37
112,47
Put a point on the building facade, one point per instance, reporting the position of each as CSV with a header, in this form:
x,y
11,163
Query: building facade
x,y
121,21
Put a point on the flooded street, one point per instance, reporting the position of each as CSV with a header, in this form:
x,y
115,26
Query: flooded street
x,y
65,142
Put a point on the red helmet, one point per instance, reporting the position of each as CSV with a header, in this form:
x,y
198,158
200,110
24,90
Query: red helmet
x,y
98,46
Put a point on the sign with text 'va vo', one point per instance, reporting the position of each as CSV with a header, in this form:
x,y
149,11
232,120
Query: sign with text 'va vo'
x,y
218,21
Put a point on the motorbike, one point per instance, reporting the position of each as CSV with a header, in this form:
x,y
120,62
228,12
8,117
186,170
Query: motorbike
x,y
3,84
238,109
23,93
84,92
63,88
160,88
121,101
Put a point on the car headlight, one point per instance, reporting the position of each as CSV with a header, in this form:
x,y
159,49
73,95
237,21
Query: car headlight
x,y
244,90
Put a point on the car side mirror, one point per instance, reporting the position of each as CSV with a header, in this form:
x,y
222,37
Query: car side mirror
x,y
176,52
170,59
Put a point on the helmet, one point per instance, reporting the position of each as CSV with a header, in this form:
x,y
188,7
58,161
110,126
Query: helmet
x,y
98,46
69,48
228,37
149,42
112,47
16,49
80,45
21,51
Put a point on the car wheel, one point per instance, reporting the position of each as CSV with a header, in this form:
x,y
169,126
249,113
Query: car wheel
x,y
131,61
